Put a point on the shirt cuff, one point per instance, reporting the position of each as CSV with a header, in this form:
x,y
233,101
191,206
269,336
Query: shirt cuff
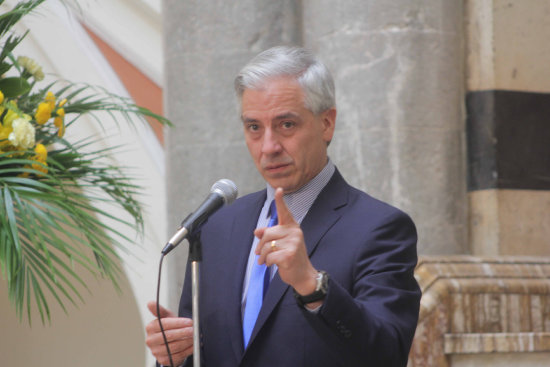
x,y
314,311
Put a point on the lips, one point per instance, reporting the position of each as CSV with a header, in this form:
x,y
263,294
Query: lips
x,y
275,167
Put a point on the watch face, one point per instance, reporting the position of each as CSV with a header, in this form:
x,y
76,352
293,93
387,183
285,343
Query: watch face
x,y
319,293
320,278
324,282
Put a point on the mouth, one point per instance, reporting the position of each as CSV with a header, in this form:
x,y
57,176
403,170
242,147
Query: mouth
x,y
275,168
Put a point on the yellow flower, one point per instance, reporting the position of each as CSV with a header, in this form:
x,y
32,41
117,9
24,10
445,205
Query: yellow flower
x,y
5,131
43,113
41,152
50,99
1,97
41,156
62,103
31,66
4,134
22,135
59,122
11,114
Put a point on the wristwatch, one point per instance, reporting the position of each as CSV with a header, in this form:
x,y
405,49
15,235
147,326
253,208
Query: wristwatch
x,y
320,290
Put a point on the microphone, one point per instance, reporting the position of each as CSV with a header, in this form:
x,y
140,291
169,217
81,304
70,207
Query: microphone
x,y
222,192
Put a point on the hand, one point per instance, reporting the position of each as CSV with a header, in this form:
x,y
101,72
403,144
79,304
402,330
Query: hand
x,y
290,253
179,334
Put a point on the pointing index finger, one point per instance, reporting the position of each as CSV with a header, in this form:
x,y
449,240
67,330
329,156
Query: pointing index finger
x,y
283,213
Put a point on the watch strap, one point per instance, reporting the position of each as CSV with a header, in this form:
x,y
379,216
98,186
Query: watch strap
x,y
319,293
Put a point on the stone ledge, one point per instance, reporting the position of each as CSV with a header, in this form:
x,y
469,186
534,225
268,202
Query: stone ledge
x,y
440,276
481,305
497,343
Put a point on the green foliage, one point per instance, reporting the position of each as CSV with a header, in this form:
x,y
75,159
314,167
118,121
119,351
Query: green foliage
x,y
52,191
14,87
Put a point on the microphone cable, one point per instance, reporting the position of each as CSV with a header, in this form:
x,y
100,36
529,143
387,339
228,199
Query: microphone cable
x,y
158,312
223,192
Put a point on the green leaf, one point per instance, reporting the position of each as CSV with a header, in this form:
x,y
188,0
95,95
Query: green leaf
x,y
10,213
14,86
9,18
4,67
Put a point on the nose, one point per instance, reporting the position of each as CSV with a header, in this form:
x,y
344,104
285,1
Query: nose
x,y
270,143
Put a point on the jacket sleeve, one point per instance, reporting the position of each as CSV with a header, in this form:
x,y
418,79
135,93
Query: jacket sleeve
x,y
372,320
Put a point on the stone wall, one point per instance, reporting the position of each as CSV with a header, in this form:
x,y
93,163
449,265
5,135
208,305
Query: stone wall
x,y
399,75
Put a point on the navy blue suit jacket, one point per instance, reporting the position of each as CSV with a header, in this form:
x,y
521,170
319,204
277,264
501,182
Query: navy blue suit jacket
x,y
369,315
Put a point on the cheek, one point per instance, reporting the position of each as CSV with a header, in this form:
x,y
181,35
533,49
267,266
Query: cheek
x,y
254,148
313,155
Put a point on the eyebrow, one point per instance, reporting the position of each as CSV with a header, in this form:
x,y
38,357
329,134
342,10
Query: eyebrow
x,y
282,116
286,115
248,119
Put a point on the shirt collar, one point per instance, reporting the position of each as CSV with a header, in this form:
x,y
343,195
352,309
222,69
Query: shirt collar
x,y
300,201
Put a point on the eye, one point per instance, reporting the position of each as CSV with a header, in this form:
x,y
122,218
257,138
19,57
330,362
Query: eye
x,y
288,125
252,127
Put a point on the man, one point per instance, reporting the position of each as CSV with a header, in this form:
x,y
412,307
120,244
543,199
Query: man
x,y
339,289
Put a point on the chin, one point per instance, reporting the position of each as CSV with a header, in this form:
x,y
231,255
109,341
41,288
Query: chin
x,y
287,189
284,185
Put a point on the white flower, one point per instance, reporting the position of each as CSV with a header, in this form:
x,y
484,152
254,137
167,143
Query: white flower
x,y
31,66
22,135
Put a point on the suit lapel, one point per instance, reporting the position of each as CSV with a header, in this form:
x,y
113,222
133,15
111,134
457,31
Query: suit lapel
x,y
324,212
241,236
321,217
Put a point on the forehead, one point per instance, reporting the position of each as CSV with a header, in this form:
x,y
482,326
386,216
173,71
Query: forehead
x,y
274,95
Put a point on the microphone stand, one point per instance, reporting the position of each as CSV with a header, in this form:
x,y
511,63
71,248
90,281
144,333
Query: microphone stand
x,y
195,257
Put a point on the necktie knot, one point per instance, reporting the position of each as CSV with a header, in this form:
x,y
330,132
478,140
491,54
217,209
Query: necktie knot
x,y
273,218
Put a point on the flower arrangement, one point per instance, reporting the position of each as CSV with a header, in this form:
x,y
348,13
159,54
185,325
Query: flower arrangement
x,y
50,187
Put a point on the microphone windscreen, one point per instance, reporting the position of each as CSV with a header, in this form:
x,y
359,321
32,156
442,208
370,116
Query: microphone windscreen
x,y
226,189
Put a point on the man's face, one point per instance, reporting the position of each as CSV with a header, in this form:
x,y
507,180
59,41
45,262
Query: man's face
x,y
287,142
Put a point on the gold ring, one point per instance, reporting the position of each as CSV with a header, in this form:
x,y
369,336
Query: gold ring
x,y
273,245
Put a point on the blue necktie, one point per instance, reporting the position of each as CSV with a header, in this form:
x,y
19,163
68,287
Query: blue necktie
x,y
260,277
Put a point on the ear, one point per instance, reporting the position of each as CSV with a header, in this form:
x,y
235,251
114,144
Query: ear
x,y
328,119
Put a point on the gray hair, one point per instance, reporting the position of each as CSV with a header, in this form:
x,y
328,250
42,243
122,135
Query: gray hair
x,y
282,61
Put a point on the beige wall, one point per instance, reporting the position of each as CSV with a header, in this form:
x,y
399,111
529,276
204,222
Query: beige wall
x,y
507,45
510,222
105,331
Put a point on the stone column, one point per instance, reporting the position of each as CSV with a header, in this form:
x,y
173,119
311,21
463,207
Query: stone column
x,y
205,45
508,104
398,68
